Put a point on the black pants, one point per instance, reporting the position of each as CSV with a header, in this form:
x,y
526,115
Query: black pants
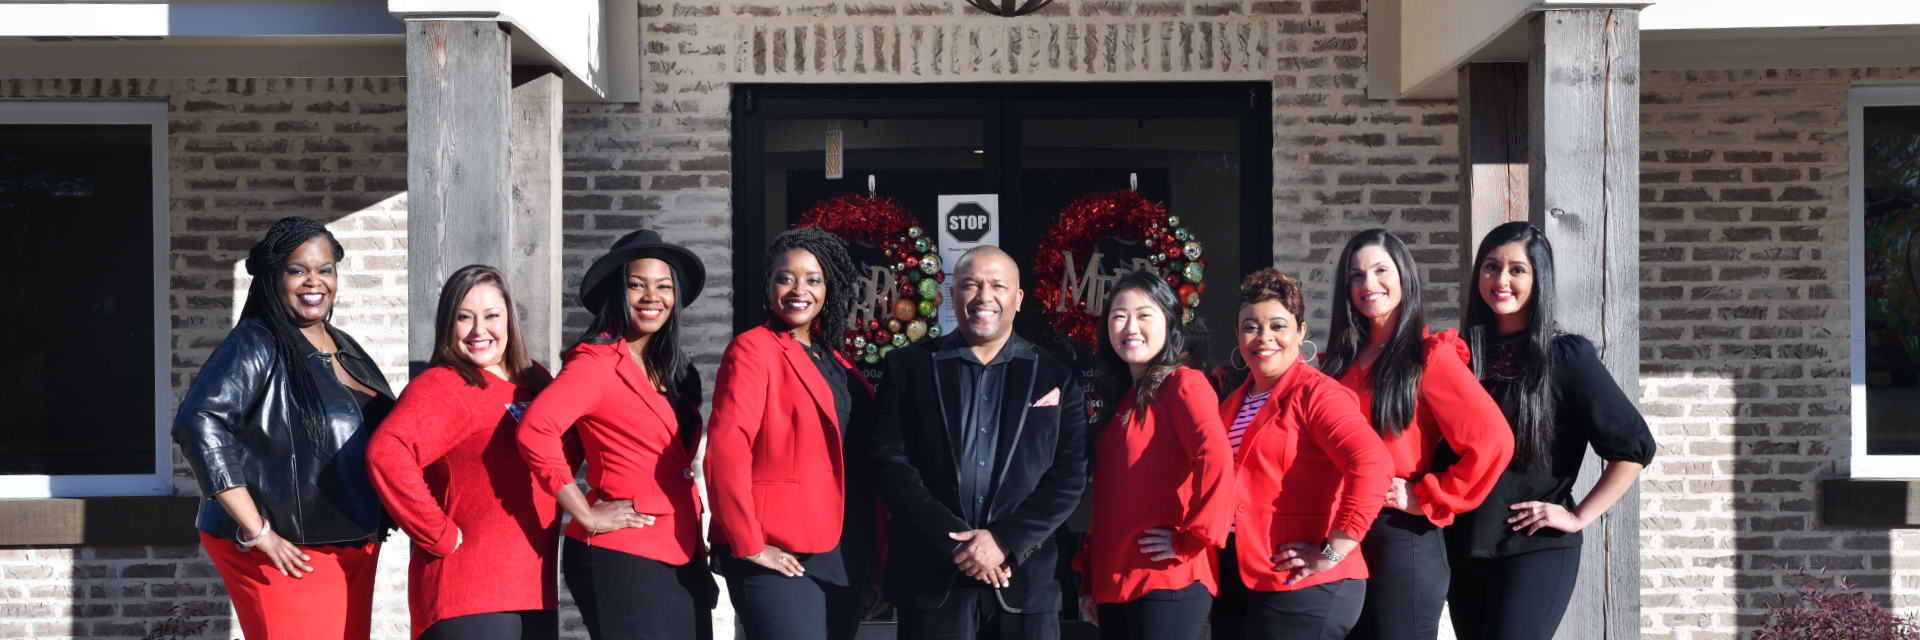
x,y
1320,612
1407,559
539,624
1168,614
771,606
627,597
972,613
1518,597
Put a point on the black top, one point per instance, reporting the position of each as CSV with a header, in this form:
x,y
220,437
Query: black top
x,y
982,388
828,566
235,428
1589,410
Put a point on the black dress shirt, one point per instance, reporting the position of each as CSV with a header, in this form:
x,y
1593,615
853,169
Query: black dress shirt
x,y
982,389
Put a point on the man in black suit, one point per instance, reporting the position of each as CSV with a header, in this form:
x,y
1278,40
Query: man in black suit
x,y
980,449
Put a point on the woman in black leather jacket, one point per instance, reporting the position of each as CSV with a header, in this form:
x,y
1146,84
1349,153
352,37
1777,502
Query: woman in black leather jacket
x,y
276,429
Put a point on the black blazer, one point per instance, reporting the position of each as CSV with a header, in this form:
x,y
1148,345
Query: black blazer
x,y
1041,470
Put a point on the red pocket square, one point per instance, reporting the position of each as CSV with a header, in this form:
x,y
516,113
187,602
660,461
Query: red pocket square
x,y
1052,399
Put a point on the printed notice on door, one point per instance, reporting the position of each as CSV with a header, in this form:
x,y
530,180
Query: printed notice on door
x,y
966,221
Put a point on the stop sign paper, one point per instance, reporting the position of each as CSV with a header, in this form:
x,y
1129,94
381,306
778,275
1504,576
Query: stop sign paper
x,y
965,221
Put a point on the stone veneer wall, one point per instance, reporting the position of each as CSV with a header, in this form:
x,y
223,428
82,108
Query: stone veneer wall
x,y
1744,363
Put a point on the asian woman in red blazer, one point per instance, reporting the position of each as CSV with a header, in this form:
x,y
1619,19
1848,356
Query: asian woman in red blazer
x,y
1310,476
446,464
632,557
1419,393
792,510
1162,475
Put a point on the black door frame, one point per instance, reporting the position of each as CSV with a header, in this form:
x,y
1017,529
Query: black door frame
x,y
1000,107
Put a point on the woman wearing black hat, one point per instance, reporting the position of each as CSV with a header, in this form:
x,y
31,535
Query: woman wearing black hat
x,y
275,428
632,555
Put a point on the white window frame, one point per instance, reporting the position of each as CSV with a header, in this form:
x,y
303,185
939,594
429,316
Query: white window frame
x,y
1865,465
159,480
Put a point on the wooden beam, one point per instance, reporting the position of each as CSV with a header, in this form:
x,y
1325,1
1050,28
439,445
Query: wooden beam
x,y
1493,157
1583,149
533,245
457,178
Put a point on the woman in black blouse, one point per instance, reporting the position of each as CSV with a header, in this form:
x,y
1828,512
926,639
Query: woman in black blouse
x,y
1515,558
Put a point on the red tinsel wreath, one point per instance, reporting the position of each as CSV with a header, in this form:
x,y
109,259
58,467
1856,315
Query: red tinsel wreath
x,y
883,223
1125,214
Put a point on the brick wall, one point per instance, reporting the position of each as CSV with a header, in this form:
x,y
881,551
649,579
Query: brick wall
x,y
1744,369
241,154
1341,162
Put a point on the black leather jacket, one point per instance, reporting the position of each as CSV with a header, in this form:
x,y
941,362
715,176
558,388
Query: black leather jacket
x,y
236,428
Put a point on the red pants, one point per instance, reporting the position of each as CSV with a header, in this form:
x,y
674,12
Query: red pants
x,y
334,602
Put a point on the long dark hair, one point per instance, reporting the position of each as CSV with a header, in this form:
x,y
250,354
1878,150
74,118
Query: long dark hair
x,y
266,303
663,359
1395,376
445,350
1116,376
1533,410
830,325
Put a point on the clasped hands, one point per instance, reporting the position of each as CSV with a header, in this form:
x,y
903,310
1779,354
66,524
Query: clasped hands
x,y
981,557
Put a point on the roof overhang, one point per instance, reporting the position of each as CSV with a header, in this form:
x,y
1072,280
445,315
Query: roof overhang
x,y
1415,47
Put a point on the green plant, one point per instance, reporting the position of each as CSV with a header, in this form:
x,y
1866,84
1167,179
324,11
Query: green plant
x,y
179,626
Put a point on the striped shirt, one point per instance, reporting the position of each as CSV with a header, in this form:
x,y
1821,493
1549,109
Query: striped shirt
x,y
1248,408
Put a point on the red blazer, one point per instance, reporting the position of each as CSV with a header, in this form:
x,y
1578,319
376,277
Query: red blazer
x,y
1169,466
447,467
633,448
1308,464
775,469
1451,404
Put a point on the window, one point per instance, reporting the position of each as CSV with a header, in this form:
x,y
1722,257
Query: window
x,y
1884,204
85,359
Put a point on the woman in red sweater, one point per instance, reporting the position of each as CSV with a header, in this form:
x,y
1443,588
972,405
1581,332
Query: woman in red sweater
x,y
1162,484
1310,477
635,398
446,465
1420,393
792,510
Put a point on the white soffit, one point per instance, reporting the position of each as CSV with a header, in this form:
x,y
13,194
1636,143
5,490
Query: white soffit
x,y
1415,51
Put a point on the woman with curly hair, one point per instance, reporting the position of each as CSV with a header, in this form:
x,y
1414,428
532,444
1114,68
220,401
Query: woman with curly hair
x,y
792,512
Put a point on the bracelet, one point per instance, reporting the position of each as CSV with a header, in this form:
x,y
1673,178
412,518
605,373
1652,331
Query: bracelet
x,y
266,526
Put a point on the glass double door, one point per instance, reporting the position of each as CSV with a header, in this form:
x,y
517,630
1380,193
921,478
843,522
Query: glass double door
x,y
1202,150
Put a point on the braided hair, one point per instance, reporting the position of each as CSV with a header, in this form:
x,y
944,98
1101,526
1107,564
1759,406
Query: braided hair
x,y
830,326
266,302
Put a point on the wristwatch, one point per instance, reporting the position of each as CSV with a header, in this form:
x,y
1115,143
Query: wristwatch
x,y
1326,551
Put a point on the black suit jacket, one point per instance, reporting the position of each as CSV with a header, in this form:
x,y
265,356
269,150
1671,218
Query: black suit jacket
x,y
1041,471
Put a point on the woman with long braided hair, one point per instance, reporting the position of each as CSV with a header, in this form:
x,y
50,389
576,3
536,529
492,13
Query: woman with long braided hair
x,y
276,428
792,506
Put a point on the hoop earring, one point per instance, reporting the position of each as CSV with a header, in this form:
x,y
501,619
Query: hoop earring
x,y
1238,366
1316,350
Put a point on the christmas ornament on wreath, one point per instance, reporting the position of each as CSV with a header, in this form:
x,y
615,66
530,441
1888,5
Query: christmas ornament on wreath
x,y
1074,298
896,302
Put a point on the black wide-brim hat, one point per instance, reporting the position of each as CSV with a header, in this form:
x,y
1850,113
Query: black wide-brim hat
x,y
690,274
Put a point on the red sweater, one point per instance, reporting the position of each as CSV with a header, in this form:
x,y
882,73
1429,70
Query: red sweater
x,y
1169,466
1451,404
633,451
1308,465
446,465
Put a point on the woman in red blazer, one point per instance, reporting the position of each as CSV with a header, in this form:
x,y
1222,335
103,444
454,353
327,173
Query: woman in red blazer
x,y
1310,475
792,516
635,572
1162,483
1420,393
447,467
